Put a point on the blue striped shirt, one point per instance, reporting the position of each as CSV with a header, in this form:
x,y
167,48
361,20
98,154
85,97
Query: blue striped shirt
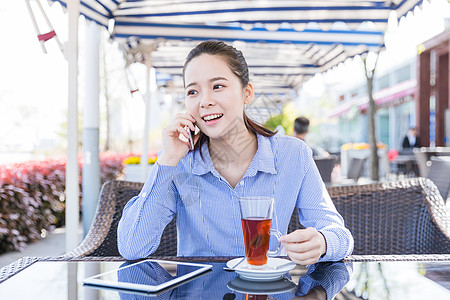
x,y
207,208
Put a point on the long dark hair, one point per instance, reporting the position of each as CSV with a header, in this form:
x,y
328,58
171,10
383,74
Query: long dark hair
x,y
237,64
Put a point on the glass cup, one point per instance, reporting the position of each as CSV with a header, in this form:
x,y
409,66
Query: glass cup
x,y
256,218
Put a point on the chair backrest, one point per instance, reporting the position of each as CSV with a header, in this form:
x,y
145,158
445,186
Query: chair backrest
x,y
101,239
422,159
423,156
439,173
401,217
325,166
355,168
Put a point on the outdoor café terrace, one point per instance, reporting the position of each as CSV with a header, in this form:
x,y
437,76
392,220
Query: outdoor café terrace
x,y
59,216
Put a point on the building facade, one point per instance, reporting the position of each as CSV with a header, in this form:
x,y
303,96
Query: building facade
x,y
394,97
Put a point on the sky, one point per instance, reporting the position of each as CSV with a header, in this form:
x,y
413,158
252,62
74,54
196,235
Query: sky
x,y
33,85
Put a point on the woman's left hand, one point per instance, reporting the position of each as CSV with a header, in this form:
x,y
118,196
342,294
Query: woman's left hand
x,y
304,246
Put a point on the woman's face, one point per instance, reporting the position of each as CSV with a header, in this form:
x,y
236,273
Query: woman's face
x,y
214,96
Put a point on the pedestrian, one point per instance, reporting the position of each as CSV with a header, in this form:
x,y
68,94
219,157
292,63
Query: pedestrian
x,y
411,140
301,129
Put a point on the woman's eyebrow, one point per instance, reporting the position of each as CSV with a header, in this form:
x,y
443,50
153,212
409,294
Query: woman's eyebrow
x,y
211,80
190,84
217,78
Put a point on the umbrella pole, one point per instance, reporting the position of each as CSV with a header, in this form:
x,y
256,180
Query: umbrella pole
x,y
91,122
144,155
72,171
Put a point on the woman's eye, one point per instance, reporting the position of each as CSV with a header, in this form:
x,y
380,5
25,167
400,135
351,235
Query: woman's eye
x,y
191,92
218,86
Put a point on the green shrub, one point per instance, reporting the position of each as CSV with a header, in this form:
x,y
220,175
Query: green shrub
x,y
32,197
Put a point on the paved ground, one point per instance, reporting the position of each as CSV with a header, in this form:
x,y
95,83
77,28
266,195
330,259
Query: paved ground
x,y
53,245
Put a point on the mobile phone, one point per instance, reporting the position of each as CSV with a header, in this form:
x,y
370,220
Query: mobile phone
x,y
191,138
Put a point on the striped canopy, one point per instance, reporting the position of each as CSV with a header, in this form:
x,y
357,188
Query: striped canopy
x,y
284,41
298,13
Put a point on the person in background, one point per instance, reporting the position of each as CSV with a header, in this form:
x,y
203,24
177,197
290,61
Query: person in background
x,y
411,140
301,129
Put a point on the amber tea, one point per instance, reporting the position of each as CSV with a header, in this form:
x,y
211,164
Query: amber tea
x,y
256,218
256,239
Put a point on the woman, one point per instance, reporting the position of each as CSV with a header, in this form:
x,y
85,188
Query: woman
x,y
233,157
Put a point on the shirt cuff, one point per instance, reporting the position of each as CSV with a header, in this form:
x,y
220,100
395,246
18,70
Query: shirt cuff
x,y
332,242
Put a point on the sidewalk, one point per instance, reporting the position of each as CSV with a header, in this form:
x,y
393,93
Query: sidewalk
x,y
52,245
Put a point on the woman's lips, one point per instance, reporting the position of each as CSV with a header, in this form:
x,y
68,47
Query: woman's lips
x,y
212,122
216,119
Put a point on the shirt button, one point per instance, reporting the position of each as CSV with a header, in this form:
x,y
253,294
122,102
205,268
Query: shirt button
x,y
241,183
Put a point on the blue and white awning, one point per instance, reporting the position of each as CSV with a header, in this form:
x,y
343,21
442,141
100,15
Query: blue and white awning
x,y
298,13
301,37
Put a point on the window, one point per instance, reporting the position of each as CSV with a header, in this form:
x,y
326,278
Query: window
x,y
402,74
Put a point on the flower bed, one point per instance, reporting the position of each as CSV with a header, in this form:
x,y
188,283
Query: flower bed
x,y
32,199
134,171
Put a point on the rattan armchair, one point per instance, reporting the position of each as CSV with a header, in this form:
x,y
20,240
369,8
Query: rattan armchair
x,y
439,173
325,166
401,217
101,239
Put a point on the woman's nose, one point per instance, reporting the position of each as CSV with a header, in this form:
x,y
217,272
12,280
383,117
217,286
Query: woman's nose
x,y
207,100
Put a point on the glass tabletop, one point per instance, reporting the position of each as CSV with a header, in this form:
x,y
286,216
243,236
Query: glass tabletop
x,y
376,280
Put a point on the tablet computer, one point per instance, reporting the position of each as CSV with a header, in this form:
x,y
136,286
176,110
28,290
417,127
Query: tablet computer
x,y
148,276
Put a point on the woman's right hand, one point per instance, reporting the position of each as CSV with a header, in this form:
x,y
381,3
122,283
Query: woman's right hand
x,y
174,149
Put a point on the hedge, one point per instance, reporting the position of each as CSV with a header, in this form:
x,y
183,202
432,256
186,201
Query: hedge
x,y
32,199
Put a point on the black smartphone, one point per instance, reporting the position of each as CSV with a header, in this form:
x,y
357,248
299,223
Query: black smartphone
x,y
191,138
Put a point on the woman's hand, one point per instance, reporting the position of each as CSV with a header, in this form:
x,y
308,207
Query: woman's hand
x,y
304,246
174,149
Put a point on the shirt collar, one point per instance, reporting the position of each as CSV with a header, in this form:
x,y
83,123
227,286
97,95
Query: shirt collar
x,y
263,160
203,165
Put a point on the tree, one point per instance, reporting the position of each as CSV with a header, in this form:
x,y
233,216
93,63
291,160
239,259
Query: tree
x,y
106,93
370,72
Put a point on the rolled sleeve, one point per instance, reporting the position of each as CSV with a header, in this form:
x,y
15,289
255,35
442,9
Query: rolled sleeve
x,y
339,244
316,209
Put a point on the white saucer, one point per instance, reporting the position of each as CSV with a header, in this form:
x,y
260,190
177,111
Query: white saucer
x,y
278,286
267,273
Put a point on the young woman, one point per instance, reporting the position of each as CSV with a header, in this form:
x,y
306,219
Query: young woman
x,y
233,157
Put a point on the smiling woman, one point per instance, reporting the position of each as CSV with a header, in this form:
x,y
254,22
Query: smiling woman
x,y
216,93
233,157
217,88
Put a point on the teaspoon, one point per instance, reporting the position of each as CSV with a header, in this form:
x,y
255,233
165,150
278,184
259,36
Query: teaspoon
x,y
234,267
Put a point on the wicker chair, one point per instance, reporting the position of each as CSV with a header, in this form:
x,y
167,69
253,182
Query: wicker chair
x,y
356,167
401,217
438,172
325,166
101,239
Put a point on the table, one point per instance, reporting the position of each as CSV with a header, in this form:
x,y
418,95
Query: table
x,y
406,164
402,277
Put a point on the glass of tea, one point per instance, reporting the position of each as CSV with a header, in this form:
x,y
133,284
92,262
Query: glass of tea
x,y
256,218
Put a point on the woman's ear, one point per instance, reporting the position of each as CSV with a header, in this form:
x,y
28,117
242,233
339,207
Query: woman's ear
x,y
248,94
